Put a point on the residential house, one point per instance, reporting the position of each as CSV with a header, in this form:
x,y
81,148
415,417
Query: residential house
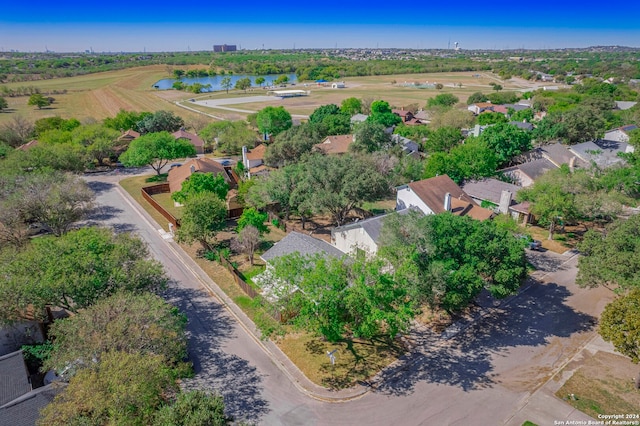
x,y
522,125
409,147
405,115
20,404
358,118
337,144
361,236
493,193
305,245
502,109
437,195
128,136
423,116
480,107
253,160
179,174
560,154
602,153
195,140
526,173
620,134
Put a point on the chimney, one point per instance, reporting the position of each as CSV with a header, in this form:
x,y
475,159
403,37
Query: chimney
x,y
572,164
193,168
447,202
245,162
505,202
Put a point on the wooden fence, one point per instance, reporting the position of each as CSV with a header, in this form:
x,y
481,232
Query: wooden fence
x,y
161,188
248,290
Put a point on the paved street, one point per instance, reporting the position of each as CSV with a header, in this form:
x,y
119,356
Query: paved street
x,y
484,375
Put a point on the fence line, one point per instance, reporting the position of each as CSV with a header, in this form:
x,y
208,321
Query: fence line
x,y
162,188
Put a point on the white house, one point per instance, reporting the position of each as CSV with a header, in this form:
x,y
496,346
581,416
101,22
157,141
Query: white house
x,y
360,236
338,85
437,195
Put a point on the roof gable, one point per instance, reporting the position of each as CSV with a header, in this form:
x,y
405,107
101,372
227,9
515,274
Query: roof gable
x,y
257,153
183,134
306,245
179,174
337,144
14,377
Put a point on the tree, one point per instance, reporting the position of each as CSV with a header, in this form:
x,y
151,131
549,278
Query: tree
x,y
290,145
247,242
156,150
337,184
252,217
178,74
351,106
582,124
226,84
282,79
476,98
370,137
74,271
243,84
55,201
471,160
452,118
199,183
231,136
620,325
17,131
204,215
506,140
260,81
552,203
45,124
273,120
487,118
122,389
160,121
3,103
63,157
193,408
38,100
611,258
125,120
124,322
320,113
443,139
341,299
524,115
497,87
439,86
446,260
381,114
446,100
100,141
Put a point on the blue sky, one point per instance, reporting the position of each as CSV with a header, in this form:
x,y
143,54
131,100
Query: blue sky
x,y
119,25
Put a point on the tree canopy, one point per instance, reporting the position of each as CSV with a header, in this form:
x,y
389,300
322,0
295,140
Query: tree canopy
x,y
204,215
620,324
471,160
74,271
156,150
160,121
381,114
273,120
199,183
446,100
507,141
370,137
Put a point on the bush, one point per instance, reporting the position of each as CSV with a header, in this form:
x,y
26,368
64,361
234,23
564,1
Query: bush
x,y
158,178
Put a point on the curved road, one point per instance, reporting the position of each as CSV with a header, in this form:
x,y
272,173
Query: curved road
x,y
483,376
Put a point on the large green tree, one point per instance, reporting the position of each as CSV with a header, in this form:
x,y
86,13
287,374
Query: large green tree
x,y
74,271
243,84
472,160
370,137
507,141
273,120
446,100
38,100
125,322
443,139
204,215
228,136
194,408
381,114
199,183
3,103
122,389
125,120
226,83
100,141
351,106
160,121
156,150
611,258
292,144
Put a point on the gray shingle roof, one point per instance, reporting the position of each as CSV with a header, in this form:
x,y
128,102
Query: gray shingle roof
x,y
14,377
371,226
536,168
602,152
489,189
26,410
559,154
303,244
522,125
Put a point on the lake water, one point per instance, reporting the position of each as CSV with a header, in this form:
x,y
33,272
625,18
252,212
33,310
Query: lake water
x,y
216,81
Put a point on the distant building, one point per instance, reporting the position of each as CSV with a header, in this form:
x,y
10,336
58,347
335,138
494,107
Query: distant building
x,y
224,48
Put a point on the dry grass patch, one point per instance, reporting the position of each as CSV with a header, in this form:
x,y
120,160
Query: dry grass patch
x,y
604,384
356,360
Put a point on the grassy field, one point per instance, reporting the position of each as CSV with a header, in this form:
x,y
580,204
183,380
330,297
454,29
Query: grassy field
x,y
101,95
603,385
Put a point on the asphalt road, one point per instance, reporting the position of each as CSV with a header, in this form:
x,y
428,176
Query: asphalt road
x,y
482,376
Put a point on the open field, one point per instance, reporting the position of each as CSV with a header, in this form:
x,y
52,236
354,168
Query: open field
x,y
100,95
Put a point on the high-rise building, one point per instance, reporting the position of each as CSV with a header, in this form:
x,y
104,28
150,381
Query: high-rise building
x,y
224,48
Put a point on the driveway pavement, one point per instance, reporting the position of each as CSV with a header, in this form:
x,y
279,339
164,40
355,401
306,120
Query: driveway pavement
x,y
487,371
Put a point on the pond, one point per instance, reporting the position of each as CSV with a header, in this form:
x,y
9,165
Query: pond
x,y
216,81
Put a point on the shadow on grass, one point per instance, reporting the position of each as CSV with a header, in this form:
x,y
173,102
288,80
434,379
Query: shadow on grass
x,y
208,329
467,359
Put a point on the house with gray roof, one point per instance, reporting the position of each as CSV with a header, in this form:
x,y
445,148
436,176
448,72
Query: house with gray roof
x,y
522,125
500,194
620,134
526,173
602,153
306,245
358,118
624,105
408,146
